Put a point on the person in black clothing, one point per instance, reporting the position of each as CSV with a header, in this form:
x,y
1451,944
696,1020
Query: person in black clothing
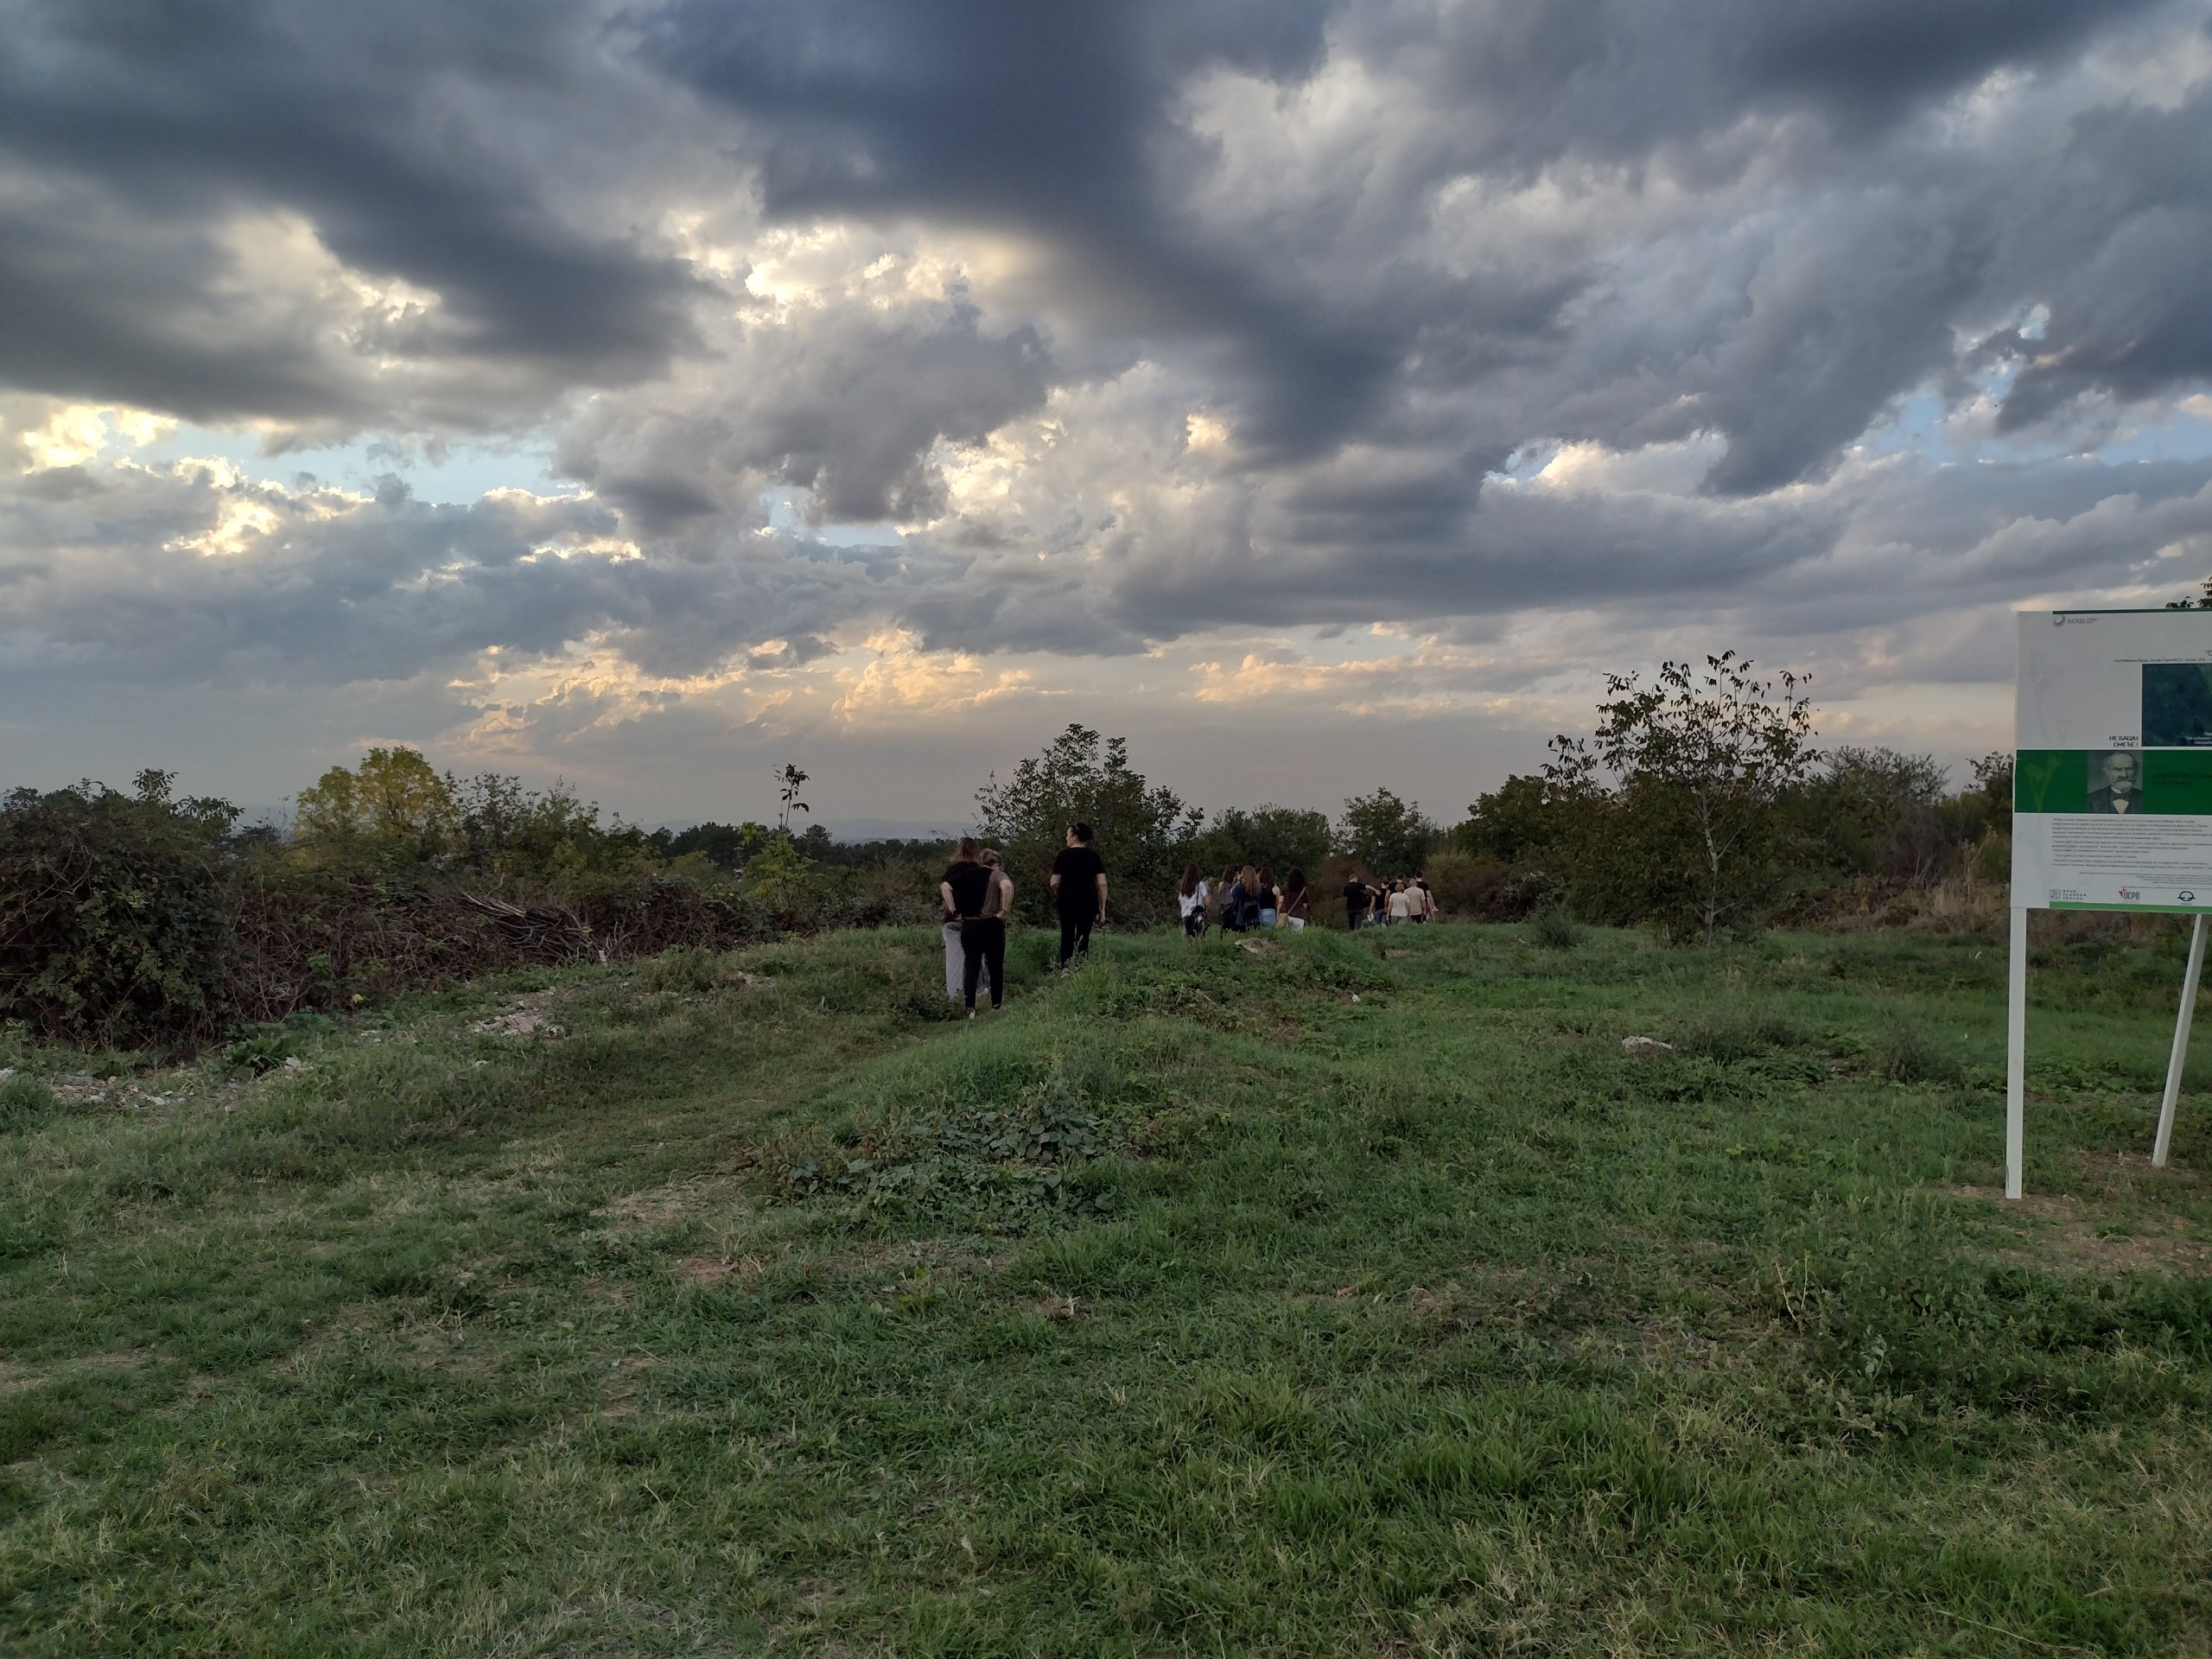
x,y
982,937
1078,891
1357,896
964,887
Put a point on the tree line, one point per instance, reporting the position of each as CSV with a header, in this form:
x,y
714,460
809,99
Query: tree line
x,y
1698,804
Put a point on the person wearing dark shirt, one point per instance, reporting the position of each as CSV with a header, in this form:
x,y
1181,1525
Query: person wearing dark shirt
x,y
982,936
1357,895
1078,891
965,859
964,882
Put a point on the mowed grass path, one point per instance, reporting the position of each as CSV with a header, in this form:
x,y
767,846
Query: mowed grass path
x,y
1352,1295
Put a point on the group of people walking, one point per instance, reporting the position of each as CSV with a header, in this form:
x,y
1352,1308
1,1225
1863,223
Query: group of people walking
x,y
1387,903
1243,899
978,896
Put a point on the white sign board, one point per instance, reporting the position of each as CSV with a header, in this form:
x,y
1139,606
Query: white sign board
x,y
2111,801
2112,782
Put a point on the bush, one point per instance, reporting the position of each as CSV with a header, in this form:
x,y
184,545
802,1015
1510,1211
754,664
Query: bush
x,y
1905,1053
114,913
1552,928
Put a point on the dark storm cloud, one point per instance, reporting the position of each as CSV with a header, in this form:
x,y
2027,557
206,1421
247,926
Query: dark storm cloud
x,y
1382,245
144,124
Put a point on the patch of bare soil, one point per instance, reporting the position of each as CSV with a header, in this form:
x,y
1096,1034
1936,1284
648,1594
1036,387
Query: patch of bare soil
x,y
531,1016
2074,1235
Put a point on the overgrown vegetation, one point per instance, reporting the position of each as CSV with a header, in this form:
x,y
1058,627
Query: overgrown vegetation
x,y
724,1303
1695,807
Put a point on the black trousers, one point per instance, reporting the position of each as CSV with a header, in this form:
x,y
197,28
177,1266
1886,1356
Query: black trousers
x,y
1075,934
982,946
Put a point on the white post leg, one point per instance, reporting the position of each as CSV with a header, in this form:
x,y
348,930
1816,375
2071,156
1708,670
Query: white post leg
x,y
2016,1058
2189,981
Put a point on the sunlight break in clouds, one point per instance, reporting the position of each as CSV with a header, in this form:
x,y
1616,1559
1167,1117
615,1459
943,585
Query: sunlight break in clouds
x,y
1336,376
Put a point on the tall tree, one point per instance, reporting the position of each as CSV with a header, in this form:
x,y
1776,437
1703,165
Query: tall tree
x,y
393,807
788,782
1699,764
1389,836
1142,828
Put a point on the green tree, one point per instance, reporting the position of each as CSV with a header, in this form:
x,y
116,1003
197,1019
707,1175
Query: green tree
x,y
1687,781
1389,837
1143,830
393,807
1286,837
1878,812
788,781
506,832
1523,819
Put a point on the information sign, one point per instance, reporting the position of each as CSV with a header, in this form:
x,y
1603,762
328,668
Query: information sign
x,y
2112,800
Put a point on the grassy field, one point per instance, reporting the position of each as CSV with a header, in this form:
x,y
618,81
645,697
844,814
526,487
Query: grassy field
x,y
1345,1295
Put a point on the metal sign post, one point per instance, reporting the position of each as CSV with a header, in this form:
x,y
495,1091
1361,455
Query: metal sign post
x,y
2189,981
2015,1057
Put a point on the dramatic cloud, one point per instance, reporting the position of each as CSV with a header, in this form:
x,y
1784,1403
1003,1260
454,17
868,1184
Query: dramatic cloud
x,y
622,387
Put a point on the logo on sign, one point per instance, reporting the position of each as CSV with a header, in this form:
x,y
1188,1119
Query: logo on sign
x,y
2130,894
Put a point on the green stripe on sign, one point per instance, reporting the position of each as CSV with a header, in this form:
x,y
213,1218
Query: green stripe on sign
x,y
2051,780
2176,781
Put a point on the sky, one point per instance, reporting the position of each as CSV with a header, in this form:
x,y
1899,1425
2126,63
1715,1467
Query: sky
x,y
1322,394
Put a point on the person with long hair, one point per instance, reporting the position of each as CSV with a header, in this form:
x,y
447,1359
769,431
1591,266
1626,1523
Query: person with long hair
x,y
1190,899
1224,891
982,936
1295,902
965,857
1270,897
1249,902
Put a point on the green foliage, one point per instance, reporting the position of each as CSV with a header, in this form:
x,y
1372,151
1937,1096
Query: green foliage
x,y
25,1102
1683,793
507,836
114,916
1010,1166
1554,929
1388,837
782,878
393,808
1282,838
1524,819
1142,830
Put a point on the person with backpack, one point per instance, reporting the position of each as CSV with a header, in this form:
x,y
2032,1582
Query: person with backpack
x,y
1078,893
1232,901
1190,900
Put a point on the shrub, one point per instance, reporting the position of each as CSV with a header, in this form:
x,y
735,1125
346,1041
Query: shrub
x,y
1903,1052
1552,928
114,913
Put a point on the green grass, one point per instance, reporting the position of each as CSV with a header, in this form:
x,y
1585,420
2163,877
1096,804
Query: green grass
x,y
1353,1295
